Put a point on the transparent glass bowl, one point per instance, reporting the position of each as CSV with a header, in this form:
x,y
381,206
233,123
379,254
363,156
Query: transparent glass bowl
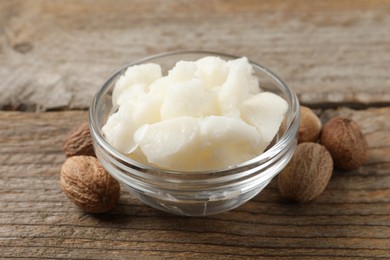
x,y
196,193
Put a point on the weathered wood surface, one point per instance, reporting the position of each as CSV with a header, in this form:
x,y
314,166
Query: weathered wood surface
x,y
350,219
56,54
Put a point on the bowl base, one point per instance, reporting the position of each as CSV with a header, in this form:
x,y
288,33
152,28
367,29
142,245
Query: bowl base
x,y
195,207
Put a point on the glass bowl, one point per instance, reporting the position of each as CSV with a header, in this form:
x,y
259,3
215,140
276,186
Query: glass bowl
x,y
196,193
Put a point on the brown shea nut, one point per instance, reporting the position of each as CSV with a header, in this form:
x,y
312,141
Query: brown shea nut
x,y
307,174
309,127
78,141
345,142
88,184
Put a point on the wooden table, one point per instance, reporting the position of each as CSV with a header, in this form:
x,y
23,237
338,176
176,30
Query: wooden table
x,y
54,55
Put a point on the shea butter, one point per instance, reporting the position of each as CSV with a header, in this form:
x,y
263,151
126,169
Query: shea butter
x,y
202,115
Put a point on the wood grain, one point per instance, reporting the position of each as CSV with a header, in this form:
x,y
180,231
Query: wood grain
x,y
349,220
55,54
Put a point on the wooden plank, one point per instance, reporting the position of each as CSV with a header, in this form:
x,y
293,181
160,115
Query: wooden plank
x,y
350,219
55,54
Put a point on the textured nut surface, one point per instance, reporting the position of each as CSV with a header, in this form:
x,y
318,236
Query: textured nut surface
x,y
309,127
345,142
78,141
307,174
88,184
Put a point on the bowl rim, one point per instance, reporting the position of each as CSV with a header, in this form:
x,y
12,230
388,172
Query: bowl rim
x,y
272,151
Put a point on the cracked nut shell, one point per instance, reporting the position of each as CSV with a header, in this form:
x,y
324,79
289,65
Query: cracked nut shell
x,y
78,141
309,127
88,184
345,142
307,174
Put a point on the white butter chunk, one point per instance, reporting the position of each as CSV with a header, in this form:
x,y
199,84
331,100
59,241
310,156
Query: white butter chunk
x,y
212,71
183,71
236,141
265,111
170,143
240,83
188,99
188,142
142,75
119,130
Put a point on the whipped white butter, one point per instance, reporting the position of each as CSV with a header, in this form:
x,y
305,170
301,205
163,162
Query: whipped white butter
x,y
204,115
